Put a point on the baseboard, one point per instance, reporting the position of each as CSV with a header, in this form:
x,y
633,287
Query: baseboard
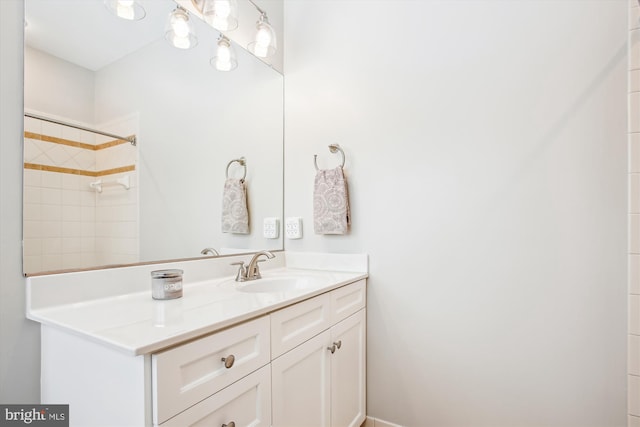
x,y
377,422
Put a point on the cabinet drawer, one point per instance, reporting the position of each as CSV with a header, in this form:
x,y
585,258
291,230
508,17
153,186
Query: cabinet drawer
x,y
294,325
347,300
185,375
244,403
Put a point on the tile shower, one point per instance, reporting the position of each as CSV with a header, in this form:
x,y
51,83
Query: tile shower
x,y
69,224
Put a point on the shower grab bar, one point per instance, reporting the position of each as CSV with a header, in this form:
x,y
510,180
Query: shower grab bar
x,y
124,181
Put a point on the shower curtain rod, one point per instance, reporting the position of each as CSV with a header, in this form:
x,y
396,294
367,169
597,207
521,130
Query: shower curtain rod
x,y
131,139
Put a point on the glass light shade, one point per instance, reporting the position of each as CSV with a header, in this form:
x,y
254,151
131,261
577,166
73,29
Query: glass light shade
x,y
126,9
224,58
179,30
221,14
264,44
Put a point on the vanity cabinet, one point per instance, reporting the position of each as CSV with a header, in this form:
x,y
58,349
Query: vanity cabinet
x,y
301,365
320,381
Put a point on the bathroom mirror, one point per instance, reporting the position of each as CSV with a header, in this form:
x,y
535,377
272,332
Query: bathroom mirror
x,y
91,201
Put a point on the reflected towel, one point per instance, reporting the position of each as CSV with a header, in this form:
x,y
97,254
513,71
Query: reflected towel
x,y
235,215
331,202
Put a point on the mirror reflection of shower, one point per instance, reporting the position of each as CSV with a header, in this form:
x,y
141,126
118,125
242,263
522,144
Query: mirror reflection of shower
x,y
80,195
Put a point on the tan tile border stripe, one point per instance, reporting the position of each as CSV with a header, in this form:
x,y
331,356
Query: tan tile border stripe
x,y
72,171
70,143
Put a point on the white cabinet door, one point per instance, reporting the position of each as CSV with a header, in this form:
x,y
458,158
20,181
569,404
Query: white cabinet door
x,y
246,402
189,373
348,371
300,385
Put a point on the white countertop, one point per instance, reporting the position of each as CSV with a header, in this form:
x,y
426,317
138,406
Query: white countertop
x,y
137,324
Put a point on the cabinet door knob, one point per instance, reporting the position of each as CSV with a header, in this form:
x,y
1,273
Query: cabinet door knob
x,y
332,349
228,362
338,344
231,424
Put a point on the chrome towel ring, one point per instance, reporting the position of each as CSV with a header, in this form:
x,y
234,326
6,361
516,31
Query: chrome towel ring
x,y
243,163
334,148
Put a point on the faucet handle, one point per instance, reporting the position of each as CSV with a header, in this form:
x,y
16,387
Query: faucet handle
x,y
242,271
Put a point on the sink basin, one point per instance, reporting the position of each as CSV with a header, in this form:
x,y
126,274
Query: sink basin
x,y
281,284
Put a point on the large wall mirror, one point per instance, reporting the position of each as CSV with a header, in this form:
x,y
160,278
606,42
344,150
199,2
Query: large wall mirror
x,y
91,200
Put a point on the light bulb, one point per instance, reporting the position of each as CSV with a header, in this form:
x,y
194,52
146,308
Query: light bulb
x,y
224,53
223,8
182,42
124,10
180,25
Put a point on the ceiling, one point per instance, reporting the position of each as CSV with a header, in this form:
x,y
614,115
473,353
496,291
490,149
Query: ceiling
x,y
85,33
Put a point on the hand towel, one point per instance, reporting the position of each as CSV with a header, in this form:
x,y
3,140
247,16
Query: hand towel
x,y
331,202
235,215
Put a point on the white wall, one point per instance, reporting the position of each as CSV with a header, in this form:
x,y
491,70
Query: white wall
x,y
57,87
486,156
20,338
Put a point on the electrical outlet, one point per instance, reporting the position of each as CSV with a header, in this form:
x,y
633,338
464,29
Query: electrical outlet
x,y
271,228
293,227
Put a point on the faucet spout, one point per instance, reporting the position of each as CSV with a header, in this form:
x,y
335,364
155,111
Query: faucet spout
x,y
253,271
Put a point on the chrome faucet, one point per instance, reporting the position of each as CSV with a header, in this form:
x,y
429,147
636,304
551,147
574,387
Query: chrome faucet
x,y
209,251
252,271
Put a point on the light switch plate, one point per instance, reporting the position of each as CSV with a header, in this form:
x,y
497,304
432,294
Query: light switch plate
x,y
271,228
293,227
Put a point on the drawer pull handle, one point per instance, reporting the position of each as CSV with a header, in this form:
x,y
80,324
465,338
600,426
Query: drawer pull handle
x,y
228,362
338,344
231,424
332,349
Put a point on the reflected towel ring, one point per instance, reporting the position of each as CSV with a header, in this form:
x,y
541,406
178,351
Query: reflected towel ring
x,y
334,148
243,163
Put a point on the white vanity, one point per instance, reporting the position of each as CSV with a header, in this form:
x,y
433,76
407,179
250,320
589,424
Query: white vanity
x,y
292,355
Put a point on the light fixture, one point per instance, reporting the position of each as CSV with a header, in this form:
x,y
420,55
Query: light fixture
x,y
126,9
224,58
221,14
179,29
264,43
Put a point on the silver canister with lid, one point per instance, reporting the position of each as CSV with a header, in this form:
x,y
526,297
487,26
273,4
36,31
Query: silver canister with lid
x,y
166,284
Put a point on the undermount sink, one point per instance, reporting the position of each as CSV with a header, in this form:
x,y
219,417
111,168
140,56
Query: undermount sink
x,y
280,284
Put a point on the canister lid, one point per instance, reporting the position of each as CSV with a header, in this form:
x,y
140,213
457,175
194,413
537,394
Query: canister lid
x,y
159,274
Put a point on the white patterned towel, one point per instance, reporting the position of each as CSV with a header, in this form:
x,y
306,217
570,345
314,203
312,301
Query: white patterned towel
x,y
331,202
235,215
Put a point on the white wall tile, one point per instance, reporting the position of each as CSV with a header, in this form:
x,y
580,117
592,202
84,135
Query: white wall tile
x,y
32,195
51,229
70,181
71,245
32,263
32,247
634,274
634,112
634,314
634,50
634,355
634,193
32,229
52,246
634,80
634,18
51,196
634,231
51,212
72,213
71,229
32,211
32,178
51,262
633,421
88,244
634,395
634,152
71,197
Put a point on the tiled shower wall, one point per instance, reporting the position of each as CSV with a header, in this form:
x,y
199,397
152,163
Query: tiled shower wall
x,y
68,224
634,216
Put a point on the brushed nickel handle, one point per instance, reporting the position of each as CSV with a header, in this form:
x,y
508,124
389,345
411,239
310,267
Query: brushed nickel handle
x,y
338,344
332,349
228,362
231,424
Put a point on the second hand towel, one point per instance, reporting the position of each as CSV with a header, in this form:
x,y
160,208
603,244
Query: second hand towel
x,y
235,214
331,202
